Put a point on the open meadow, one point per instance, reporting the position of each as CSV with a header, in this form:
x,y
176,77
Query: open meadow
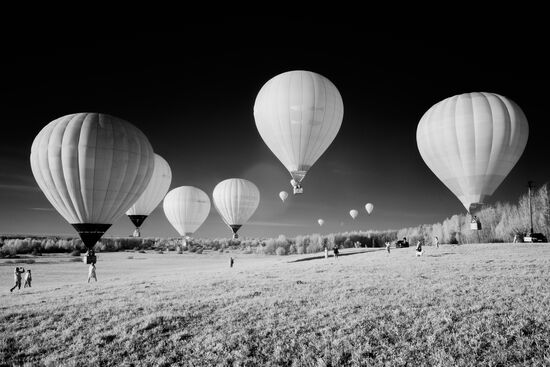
x,y
468,305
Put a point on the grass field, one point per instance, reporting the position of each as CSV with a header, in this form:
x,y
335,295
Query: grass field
x,y
470,305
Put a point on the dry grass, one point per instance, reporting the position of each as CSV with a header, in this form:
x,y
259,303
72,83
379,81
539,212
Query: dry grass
x,y
476,305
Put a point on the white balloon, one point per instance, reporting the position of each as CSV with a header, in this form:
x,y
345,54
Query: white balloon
x,y
369,207
155,191
92,167
283,195
471,142
321,222
236,199
354,213
298,115
186,208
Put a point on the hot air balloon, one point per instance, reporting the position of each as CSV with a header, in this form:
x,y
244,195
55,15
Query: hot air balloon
x,y
471,142
283,195
354,213
236,200
369,207
186,208
321,222
298,115
153,194
92,167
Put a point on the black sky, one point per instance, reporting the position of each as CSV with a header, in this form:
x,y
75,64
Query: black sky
x,y
193,97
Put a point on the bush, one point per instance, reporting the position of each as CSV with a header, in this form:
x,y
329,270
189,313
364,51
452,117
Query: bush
x,y
280,251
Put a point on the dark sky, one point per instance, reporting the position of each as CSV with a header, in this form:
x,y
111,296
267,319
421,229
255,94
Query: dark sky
x,y
193,97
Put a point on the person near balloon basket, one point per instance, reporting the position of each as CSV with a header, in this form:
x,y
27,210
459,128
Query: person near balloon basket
x,y
419,250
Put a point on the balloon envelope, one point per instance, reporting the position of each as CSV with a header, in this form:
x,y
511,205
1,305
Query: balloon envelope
x,y
155,191
354,213
471,142
186,208
283,195
321,222
369,207
92,167
298,115
236,199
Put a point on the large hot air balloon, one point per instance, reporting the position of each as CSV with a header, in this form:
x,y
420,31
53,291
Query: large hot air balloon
x,y
236,200
369,207
186,208
298,114
354,213
283,195
471,142
321,222
92,167
153,194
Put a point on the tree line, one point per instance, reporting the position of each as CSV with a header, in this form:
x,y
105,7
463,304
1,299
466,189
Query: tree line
x,y
500,223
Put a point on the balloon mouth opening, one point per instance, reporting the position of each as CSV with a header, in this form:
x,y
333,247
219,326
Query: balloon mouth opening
x,y
235,228
137,219
475,207
90,233
298,175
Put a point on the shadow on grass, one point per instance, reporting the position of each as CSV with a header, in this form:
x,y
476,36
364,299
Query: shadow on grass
x,y
443,254
339,255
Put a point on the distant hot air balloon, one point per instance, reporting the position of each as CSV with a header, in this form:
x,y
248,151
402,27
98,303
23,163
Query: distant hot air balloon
x,y
236,200
471,142
91,167
186,208
283,195
321,222
298,115
354,213
153,194
369,207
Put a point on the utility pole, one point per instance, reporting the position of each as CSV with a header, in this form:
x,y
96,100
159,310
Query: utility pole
x,y
530,186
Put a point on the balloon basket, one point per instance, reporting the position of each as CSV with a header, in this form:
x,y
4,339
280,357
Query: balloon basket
x,y
475,226
298,190
87,259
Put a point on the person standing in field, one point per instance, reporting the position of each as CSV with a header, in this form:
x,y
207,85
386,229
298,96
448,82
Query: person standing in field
x,y
17,277
336,252
436,241
91,272
388,245
28,279
419,248
231,261
326,252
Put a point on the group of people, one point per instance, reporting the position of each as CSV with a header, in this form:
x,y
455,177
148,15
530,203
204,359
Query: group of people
x,y
336,252
18,275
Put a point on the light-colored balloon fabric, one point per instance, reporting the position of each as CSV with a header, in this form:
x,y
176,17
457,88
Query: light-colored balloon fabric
x,y
155,191
354,213
236,200
321,222
283,195
471,142
91,166
186,208
298,115
369,207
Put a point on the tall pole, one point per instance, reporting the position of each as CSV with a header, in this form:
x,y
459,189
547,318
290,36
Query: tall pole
x,y
530,186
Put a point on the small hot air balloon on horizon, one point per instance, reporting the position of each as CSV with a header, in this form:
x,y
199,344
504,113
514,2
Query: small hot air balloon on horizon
x,y
471,142
283,195
236,200
353,213
91,167
320,221
298,114
186,208
153,194
369,207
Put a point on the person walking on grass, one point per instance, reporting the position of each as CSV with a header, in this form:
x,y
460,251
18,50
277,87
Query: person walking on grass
x,y
436,241
28,279
17,277
388,245
326,252
231,261
336,252
91,272
419,248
